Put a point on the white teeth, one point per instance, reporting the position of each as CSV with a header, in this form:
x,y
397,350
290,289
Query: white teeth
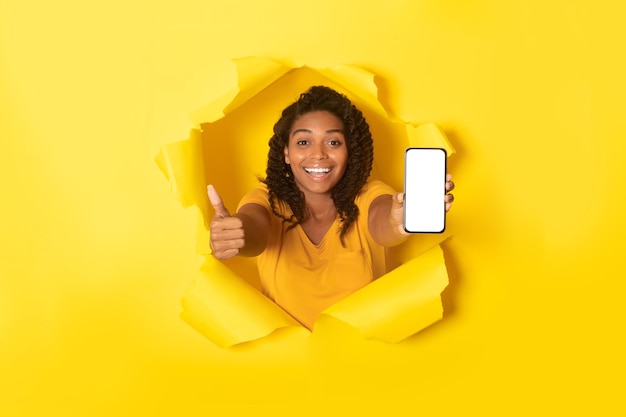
x,y
317,170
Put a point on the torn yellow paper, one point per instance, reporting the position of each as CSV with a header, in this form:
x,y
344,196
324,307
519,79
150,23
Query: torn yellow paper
x,y
183,166
228,148
400,303
227,310
428,135
257,75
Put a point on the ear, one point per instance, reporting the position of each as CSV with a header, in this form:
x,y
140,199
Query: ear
x,y
286,151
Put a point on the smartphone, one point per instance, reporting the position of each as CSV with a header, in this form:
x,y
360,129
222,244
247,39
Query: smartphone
x,y
425,190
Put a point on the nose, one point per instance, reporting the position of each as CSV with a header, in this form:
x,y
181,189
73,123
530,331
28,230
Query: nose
x,y
319,152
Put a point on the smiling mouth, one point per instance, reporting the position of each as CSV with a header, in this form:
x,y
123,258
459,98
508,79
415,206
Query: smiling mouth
x,y
317,171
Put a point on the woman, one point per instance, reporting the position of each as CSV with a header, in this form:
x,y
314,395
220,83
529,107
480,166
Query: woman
x,y
318,227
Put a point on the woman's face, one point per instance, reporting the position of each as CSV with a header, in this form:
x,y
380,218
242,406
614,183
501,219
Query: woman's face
x,y
317,152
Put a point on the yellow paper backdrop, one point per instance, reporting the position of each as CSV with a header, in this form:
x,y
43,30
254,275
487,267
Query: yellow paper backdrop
x,y
95,253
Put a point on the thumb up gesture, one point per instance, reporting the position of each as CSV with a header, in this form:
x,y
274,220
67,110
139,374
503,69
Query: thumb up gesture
x,y
227,233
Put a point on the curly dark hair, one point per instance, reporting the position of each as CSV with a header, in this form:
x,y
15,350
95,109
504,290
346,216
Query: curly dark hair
x,y
279,178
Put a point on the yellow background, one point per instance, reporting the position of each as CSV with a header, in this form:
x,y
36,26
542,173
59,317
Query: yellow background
x,y
95,252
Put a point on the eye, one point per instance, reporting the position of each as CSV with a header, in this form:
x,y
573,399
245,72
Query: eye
x,y
334,143
302,142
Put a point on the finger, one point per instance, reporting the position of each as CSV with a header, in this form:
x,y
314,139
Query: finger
x,y
226,254
448,198
398,200
226,249
449,186
226,223
216,202
221,235
225,245
397,210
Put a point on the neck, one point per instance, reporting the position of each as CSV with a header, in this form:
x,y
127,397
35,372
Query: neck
x,y
321,208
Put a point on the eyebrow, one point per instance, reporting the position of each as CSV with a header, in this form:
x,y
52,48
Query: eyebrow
x,y
310,131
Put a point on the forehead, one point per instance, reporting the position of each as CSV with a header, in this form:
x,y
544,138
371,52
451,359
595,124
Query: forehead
x,y
317,120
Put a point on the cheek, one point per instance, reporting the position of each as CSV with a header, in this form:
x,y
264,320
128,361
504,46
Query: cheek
x,y
343,159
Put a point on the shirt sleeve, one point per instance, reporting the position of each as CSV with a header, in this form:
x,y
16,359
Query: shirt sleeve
x,y
259,196
370,191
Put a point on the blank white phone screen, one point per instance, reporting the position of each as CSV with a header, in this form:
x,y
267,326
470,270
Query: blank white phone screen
x,y
424,190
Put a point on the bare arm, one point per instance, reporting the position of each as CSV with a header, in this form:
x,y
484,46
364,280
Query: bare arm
x,y
385,220
244,233
386,215
256,224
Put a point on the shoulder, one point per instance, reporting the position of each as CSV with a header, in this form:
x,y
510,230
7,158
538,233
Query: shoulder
x,y
371,190
258,195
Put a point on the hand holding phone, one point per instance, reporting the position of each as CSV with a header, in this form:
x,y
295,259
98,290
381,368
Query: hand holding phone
x,y
424,190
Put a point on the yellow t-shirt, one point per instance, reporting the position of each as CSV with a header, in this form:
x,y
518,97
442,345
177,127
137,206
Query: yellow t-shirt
x,y
304,278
